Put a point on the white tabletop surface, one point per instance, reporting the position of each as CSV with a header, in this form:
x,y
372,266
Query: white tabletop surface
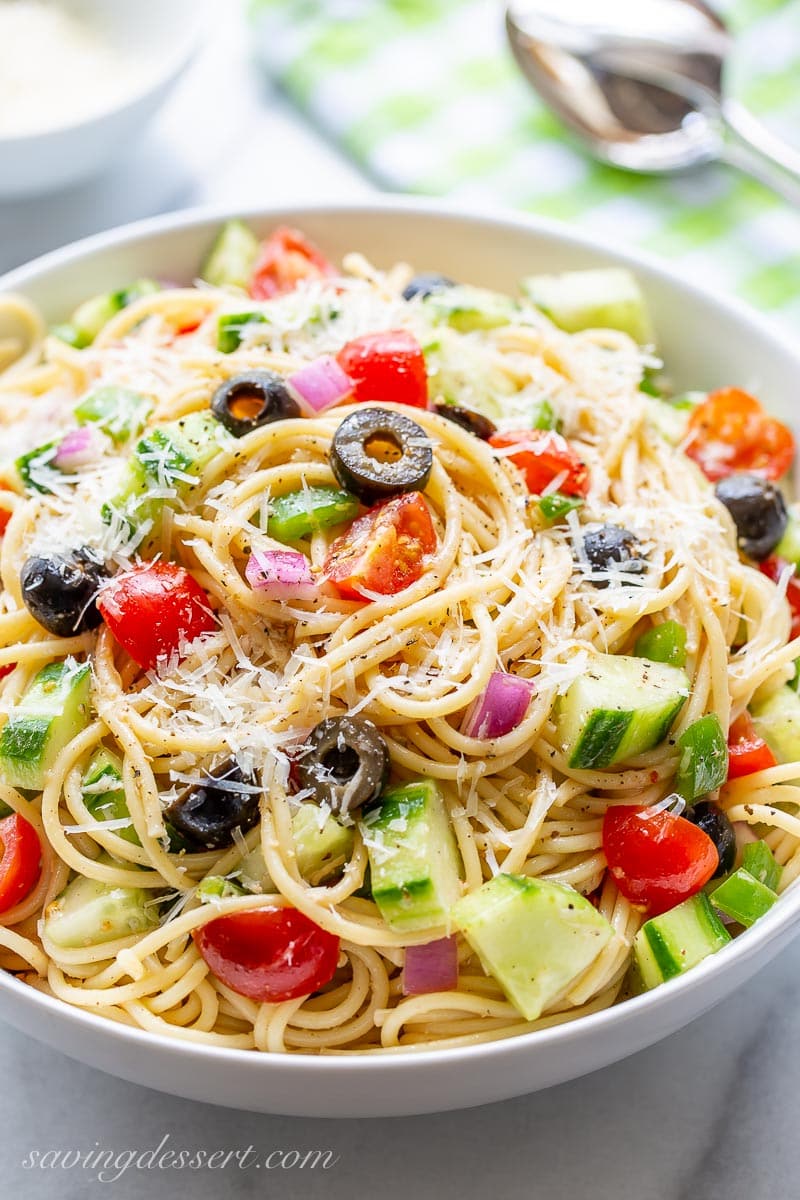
x,y
709,1114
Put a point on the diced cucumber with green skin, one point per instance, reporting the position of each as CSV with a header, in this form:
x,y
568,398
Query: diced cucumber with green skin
x,y
648,385
320,849
53,710
65,332
467,308
607,298
543,416
231,327
743,897
672,943
104,795
533,936
217,887
703,764
664,643
232,257
120,412
91,316
555,505
686,401
89,913
162,458
299,514
759,861
413,857
35,467
621,707
777,721
788,548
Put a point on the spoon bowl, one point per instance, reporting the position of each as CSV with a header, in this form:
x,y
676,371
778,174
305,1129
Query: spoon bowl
x,y
642,85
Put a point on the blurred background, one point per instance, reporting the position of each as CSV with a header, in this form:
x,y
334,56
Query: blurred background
x,y
277,101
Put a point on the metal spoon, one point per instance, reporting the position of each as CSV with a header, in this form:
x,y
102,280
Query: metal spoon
x,y
642,85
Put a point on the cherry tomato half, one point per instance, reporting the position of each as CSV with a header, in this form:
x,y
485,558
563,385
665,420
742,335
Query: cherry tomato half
x,y
153,608
731,432
773,568
656,859
269,954
20,860
542,456
284,259
382,551
747,752
387,367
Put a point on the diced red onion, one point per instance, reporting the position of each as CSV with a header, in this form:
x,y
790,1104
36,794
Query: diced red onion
x,y
500,708
321,384
281,574
431,968
78,447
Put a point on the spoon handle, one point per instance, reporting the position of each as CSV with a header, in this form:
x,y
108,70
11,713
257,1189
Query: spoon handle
x,y
752,148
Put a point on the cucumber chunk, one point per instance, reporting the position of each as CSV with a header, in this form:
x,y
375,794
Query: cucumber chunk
x,y
743,897
320,849
777,721
555,506
93,314
231,259
231,327
299,514
621,707
759,861
533,936
104,795
788,548
467,308
36,468
413,856
218,887
173,455
53,710
670,944
120,412
703,765
608,298
664,643
88,913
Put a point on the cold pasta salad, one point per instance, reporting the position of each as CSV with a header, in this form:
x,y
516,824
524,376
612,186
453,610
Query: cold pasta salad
x,y
386,661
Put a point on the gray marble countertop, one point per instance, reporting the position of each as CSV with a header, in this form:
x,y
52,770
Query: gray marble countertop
x,y
709,1114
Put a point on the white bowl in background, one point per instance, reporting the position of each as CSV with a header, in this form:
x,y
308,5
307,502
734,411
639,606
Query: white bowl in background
x,y
707,342
161,37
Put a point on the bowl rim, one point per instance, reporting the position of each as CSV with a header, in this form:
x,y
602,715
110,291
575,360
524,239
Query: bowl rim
x,y
172,65
409,1058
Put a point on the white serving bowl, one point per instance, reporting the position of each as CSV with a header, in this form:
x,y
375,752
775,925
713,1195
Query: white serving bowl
x,y
707,342
160,36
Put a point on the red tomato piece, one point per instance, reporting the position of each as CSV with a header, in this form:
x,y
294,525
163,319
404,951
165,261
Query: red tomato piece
x,y
773,568
382,551
656,859
747,752
20,860
387,367
284,259
153,608
269,954
542,456
730,431
7,669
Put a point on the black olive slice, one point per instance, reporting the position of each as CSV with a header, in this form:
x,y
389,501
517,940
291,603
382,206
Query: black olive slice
x,y
758,510
255,398
60,590
712,820
377,453
426,284
345,763
207,815
467,418
612,548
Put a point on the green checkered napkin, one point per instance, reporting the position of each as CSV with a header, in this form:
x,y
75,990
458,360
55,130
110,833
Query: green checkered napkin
x,y
425,96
